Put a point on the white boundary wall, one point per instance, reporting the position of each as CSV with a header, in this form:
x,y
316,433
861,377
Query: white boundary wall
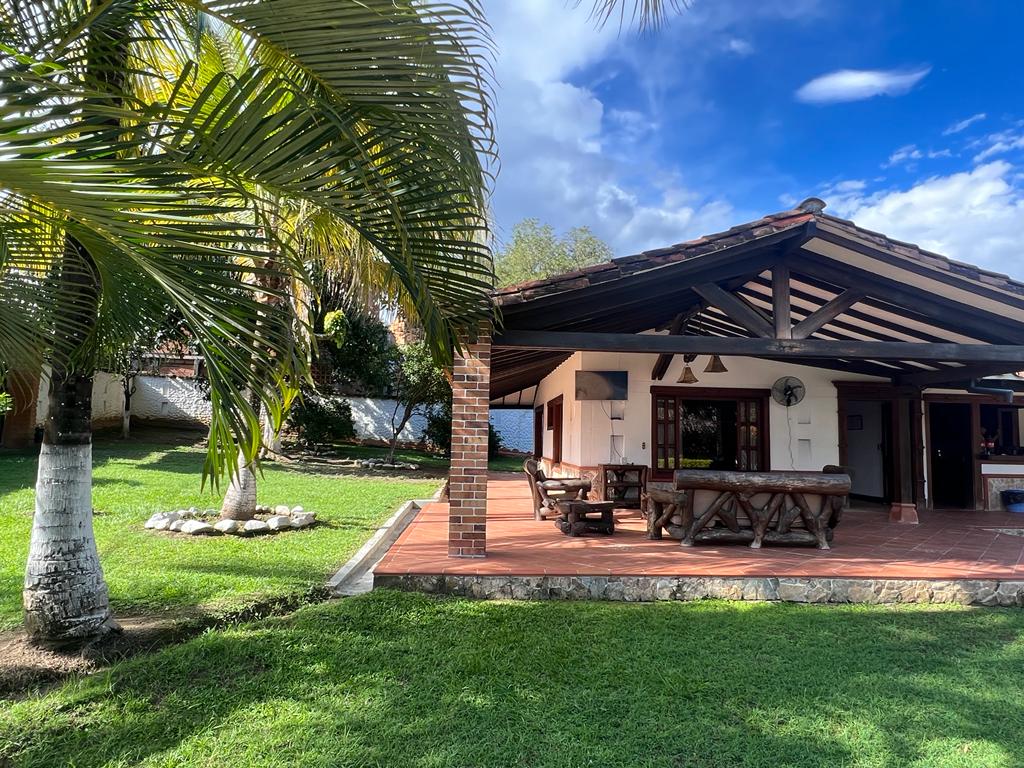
x,y
178,400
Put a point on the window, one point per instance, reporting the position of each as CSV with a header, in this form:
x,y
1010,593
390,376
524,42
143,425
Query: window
x,y
708,429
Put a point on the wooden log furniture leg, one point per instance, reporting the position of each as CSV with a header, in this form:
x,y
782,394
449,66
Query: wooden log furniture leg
x,y
800,508
576,517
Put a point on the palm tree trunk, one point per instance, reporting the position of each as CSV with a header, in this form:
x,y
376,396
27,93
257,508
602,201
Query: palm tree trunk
x,y
65,596
240,499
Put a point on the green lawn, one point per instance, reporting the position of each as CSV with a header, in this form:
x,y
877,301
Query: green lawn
x,y
152,572
405,680
425,460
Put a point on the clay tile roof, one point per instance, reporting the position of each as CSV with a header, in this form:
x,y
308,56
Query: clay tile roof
x,y
916,253
629,265
807,211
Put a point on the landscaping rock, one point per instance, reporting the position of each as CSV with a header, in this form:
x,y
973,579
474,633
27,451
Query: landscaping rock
x,y
198,528
298,510
282,509
255,526
228,526
161,520
303,521
177,525
277,522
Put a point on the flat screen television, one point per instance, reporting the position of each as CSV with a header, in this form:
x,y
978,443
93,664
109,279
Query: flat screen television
x,y
602,385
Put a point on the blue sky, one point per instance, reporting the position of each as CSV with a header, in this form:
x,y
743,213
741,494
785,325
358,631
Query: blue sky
x,y
907,117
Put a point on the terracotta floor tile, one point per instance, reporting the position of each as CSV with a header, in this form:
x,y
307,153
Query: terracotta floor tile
x,y
944,545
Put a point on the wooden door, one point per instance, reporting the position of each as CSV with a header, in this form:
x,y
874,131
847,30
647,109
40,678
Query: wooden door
x,y
555,425
538,431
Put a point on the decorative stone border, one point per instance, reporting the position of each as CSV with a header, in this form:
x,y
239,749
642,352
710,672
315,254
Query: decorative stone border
x,y
195,522
653,588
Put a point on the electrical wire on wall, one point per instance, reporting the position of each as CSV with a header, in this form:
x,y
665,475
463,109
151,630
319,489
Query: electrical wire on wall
x,y
614,455
789,428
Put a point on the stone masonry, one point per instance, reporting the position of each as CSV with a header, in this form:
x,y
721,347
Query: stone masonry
x,y
467,491
652,588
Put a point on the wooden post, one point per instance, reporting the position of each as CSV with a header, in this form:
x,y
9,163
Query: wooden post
x,y
904,507
467,477
780,302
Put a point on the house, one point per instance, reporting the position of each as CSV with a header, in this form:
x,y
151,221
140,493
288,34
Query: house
x,y
897,363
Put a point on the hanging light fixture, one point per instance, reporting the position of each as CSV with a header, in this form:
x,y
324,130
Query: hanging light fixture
x,y
715,365
687,376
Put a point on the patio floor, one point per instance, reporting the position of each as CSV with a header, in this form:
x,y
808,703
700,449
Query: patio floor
x,y
945,545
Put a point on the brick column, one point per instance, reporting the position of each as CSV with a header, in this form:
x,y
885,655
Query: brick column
x,y
467,491
20,424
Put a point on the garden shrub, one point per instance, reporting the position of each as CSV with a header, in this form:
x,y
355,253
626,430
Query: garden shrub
x,y
438,432
319,420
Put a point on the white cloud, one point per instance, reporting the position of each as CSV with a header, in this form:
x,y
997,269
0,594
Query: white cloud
x,y
739,47
964,124
904,154
974,216
859,84
566,158
999,144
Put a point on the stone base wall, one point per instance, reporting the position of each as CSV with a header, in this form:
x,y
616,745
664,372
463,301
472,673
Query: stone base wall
x,y
652,588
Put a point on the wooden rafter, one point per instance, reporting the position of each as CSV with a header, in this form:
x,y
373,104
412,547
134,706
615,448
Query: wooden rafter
x,y
662,363
829,312
738,310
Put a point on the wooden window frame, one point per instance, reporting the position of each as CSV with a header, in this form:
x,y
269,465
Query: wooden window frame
x,y
762,396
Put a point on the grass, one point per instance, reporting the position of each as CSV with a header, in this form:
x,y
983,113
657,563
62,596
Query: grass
x,y
389,679
425,460
150,572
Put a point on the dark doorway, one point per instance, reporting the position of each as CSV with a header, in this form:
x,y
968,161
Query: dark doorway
x,y
869,449
538,431
952,455
555,425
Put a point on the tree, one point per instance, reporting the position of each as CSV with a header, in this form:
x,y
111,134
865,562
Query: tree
x,y
419,384
141,350
124,178
366,362
535,252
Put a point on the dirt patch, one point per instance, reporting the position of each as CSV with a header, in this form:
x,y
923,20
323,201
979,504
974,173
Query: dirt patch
x,y
25,668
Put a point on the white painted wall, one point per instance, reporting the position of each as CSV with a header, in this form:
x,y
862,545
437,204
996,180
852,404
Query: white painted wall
x,y
180,400
864,448
562,381
516,428
168,398
803,437
107,399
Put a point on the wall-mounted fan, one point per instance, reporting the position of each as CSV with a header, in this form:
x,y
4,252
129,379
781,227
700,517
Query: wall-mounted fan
x,y
788,391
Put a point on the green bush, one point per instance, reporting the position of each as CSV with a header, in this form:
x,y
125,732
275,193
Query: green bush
x,y
6,402
318,420
438,432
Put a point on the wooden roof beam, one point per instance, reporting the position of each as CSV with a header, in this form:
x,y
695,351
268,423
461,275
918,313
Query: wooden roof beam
x,y
762,347
826,314
662,363
958,375
739,311
781,309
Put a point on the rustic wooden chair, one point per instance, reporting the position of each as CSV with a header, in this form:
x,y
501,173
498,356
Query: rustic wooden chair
x,y
547,492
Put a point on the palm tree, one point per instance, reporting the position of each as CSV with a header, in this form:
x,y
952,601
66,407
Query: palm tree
x,y
119,194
